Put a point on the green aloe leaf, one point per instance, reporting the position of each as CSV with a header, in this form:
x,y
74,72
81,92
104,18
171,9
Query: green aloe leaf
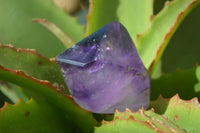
x,y
152,43
135,15
8,92
140,122
183,113
59,33
184,82
43,90
33,64
183,49
33,116
16,26
168,115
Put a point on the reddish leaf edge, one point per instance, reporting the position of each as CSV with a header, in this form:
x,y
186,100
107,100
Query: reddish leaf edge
x,y
172,30
57,97
3,108
147,123
91,4
175,99
33,51
43,82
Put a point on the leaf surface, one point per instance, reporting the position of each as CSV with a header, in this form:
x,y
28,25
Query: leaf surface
x,y
7,93
31,116
152,43
171,115
43,90
183,49
183,113
184,82
133,14
16,27
33,64
140,121
59,33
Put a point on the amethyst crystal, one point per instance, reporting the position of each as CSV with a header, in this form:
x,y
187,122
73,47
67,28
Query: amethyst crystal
x,y
104,72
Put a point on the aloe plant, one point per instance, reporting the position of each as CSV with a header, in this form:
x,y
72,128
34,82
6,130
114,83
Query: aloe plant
x,y
33,93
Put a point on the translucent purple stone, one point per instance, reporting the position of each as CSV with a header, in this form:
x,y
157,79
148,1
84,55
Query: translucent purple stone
x,y
104,72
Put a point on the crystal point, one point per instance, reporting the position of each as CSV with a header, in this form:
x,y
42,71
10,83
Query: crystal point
x,y
104,72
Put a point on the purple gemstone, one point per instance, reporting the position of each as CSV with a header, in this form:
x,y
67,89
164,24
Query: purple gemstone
x,y
104,72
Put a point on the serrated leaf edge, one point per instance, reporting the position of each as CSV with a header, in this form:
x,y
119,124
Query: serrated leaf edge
x,y
149,123
175,99
33,51
74,110
168,36
6,104
43,82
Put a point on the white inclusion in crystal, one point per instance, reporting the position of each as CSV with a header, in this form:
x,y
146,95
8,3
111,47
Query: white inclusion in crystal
x,y
94,40
104,36
63,72
107,48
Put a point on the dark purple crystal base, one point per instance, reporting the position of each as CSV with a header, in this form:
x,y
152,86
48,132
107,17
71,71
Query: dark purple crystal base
x,y
104,72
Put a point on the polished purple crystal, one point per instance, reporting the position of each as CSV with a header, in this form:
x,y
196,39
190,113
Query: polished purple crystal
x,y
104,72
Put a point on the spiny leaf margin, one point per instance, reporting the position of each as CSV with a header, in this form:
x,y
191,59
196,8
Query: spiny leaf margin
x,y
64,102
140,121
32,116
181,112
33,64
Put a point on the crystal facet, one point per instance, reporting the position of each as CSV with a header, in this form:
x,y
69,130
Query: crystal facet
x,y
104,72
